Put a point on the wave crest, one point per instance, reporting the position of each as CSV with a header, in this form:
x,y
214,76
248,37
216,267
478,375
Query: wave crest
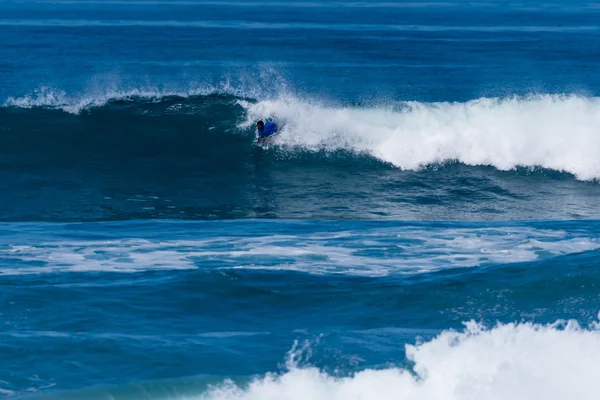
x,y
46,97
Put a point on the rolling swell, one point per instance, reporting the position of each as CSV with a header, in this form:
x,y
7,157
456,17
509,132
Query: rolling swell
x,y
147,155
119,123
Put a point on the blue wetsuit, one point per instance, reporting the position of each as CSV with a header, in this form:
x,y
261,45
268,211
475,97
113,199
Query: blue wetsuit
x,y
269,130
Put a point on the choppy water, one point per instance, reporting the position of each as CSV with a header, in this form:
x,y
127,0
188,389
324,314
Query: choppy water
x,y
424,227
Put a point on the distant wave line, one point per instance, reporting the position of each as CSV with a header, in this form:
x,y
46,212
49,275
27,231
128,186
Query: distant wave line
x,y
246,25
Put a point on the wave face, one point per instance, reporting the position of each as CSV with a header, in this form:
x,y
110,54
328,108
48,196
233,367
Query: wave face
x,y
406,160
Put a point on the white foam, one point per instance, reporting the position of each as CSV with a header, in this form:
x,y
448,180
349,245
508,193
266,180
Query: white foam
x,y
388,252
371,252
508,362
123,255
549,131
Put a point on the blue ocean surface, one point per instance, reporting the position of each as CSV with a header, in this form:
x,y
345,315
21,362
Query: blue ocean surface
x,y
426,225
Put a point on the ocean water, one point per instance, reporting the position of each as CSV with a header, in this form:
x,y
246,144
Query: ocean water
x,y
426,226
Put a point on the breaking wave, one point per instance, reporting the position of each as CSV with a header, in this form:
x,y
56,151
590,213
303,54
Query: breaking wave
x,y
556,132
554,361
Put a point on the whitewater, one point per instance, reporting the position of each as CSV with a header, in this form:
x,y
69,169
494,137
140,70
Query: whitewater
x,y
554,132
510,361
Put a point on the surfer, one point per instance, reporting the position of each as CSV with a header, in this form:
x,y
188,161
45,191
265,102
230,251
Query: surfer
x,y
265,130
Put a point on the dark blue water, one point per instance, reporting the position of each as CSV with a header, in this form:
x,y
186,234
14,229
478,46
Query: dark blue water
x,y
425,226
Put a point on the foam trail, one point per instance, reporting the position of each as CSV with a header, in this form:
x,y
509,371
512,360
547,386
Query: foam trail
x,y
342,252
550,131
508,362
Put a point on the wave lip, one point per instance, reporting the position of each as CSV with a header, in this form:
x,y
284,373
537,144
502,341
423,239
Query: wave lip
x,y
558,132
